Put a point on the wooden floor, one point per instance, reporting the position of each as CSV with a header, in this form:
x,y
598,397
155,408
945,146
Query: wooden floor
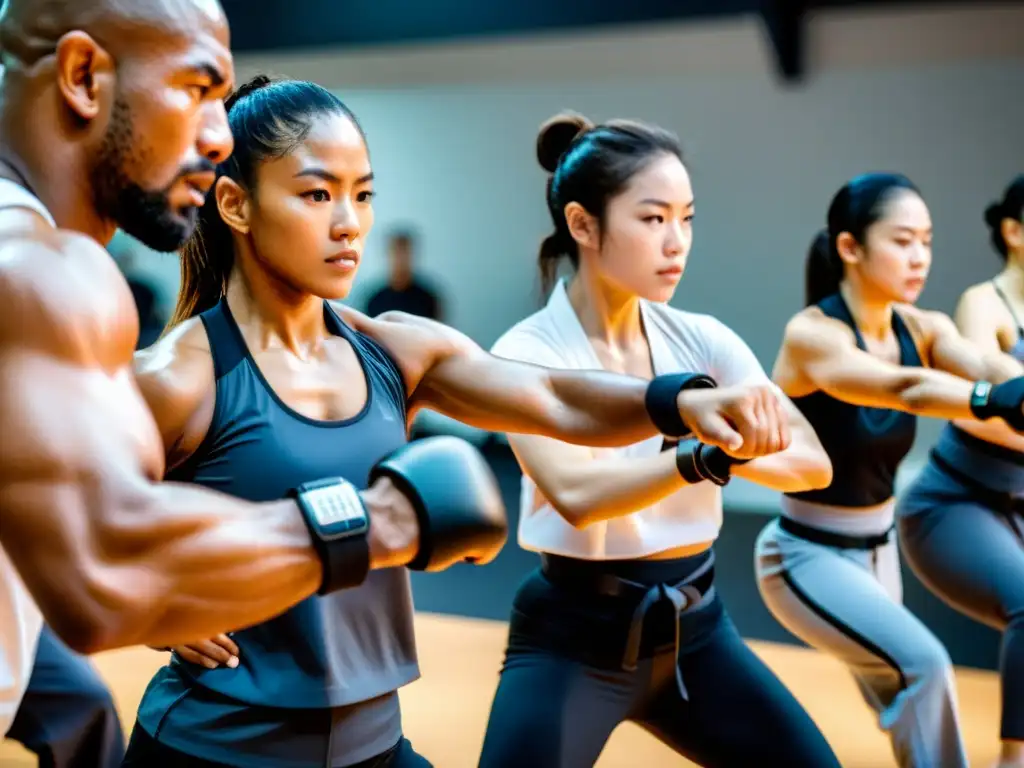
x,y
446,710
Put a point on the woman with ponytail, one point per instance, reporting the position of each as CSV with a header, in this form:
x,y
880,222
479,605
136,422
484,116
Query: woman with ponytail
x,y
622,621
264,385
862,363
961,521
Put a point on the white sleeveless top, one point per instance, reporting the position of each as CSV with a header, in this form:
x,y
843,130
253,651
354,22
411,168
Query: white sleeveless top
x,y
680,341
20,619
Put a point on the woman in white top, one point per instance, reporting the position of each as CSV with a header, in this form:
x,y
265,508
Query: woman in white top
x,y
622,622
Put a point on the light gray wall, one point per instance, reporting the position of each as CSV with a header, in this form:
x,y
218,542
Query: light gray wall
x,y
933,93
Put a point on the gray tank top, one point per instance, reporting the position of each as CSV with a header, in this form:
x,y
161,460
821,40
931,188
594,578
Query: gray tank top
x,y
316,685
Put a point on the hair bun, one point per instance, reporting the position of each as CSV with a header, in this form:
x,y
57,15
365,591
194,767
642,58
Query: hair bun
x,y
994,215
556,136
253,84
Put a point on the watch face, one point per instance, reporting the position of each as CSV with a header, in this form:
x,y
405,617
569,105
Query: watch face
x,y
982,390
337,510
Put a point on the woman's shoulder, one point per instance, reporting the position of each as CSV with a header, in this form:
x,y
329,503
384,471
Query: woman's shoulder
x,y
534,339
686,324
176,372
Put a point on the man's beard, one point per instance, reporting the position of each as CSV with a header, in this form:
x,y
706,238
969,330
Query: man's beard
x,y
144,214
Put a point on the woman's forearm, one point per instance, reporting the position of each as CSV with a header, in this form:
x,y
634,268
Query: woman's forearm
x,y
803,466
601,489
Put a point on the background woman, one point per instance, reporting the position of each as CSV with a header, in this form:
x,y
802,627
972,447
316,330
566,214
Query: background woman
x,y
861,363
961,523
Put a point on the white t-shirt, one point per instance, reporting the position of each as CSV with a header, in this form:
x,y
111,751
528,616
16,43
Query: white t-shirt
x,y
20,619
680,341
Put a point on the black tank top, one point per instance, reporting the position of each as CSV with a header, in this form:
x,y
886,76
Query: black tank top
x,y
326,651
866,445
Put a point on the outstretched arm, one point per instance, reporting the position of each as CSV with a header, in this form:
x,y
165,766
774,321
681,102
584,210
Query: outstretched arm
x,y
447,372
826,356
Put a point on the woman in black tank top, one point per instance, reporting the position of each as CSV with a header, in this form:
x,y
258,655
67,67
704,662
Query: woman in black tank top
x,y
861,363
261,384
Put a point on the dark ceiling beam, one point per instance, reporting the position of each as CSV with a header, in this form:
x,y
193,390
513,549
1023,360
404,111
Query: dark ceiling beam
x,y
273,25
293,25
785,22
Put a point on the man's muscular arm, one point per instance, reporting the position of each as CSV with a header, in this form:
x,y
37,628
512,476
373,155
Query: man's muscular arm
x,y
112,557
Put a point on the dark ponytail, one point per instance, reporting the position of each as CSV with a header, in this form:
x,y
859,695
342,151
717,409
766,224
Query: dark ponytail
x,y
590,165
268,119
1010,207
824,269
855,208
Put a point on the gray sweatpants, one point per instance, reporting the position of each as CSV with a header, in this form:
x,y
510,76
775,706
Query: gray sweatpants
x,y
966,544
848,603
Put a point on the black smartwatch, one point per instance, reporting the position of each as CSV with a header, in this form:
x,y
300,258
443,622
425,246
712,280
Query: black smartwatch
x,y
980,396
339,524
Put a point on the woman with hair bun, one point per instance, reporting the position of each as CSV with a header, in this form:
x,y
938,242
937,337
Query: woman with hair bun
x,y
962,520
622,621
861,362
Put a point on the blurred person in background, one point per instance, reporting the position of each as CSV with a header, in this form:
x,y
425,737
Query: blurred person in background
x,y
405,291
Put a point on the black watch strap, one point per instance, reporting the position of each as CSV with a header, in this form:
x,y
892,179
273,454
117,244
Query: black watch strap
x,y
980,396
339,524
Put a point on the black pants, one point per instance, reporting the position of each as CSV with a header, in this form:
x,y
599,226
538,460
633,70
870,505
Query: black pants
x,y
563,689
67,716
146,752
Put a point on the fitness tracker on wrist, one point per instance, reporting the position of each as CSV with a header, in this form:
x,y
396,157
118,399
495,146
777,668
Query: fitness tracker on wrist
x,y
980,395
339,523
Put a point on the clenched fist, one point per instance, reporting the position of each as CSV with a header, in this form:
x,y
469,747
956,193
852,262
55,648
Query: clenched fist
x,y
745,422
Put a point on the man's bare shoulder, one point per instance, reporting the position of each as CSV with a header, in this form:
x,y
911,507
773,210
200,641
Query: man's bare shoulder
x,y
62,293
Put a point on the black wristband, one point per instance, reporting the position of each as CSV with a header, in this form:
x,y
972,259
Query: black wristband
x,y
339,524
718,464
688,462
661,400
697,461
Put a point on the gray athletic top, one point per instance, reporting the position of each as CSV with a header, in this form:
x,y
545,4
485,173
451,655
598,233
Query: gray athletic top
x,y
317,685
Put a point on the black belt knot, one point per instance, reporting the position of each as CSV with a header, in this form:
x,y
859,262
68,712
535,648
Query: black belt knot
x,y
684,596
